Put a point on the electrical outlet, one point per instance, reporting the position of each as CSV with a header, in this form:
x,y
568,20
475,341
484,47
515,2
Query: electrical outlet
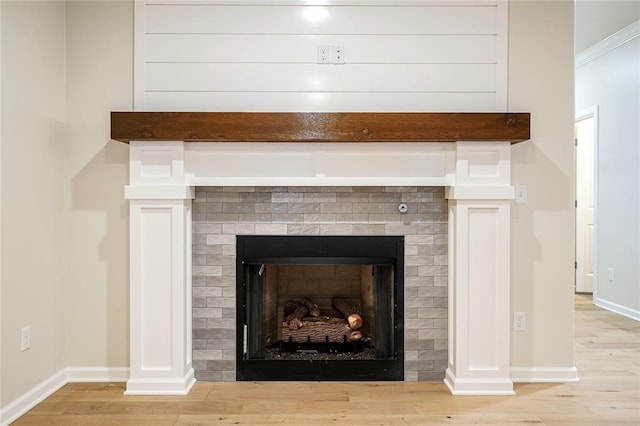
x,y
611,274
337,55
519,321
25,342
521,194
324,54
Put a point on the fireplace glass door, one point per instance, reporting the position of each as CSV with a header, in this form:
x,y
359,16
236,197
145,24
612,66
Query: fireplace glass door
x,y
320,308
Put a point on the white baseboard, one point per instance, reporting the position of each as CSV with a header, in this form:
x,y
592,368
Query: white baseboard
x,y
97,374
617,309
32,397
161,386
481,386
25,402
544,375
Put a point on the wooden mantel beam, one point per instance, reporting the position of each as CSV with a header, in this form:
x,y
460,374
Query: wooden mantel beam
x,y
319,127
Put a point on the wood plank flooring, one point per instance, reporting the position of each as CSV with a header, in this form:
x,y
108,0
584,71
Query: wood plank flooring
x,y
607,357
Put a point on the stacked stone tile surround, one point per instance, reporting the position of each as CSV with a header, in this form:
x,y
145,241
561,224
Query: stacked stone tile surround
x,y
221,213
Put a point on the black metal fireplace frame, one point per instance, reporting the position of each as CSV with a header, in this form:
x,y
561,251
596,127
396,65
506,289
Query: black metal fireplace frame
x,y
317,250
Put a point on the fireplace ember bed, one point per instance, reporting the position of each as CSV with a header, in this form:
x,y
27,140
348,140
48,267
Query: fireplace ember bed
x,y
320,307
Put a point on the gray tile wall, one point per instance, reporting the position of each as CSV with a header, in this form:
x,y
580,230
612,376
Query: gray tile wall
x,y
221,213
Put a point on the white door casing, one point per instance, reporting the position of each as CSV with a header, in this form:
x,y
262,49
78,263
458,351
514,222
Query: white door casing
x,y
586,136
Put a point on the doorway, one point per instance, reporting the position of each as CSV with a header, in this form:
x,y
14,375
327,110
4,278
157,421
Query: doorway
x,y
586,131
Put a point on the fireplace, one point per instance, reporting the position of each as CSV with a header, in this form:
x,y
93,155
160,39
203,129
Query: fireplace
x,y
320,308
467,155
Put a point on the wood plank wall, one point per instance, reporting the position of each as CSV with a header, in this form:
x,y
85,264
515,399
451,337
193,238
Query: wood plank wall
x,y
419,55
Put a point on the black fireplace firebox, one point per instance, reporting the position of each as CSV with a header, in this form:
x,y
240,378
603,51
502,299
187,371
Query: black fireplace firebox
x,y
320,308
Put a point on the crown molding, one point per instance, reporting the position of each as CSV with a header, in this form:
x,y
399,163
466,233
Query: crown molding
x,y
610,43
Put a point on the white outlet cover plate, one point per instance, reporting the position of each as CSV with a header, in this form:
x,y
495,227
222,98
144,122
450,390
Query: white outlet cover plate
x,y
25,342
521,194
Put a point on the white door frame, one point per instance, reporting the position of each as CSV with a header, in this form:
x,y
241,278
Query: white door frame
x,y
591,112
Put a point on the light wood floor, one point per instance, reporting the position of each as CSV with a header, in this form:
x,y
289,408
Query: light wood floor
x,y
607,357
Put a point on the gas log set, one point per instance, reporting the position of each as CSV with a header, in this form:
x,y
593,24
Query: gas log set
x,y
307,328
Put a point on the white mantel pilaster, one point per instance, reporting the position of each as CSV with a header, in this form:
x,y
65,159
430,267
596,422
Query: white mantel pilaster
x,y
479,247
477,179
160,271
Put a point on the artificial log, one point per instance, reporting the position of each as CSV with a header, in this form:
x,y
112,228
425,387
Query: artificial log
x,y
356,336
321,321
290,306
330,313
294,319
314,310
349,312
334,333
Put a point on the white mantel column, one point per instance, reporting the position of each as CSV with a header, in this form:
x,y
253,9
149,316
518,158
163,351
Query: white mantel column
x,y
160,271
479,248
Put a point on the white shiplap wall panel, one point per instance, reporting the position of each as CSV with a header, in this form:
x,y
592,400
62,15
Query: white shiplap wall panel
x,y
326,2
400,56
311,77
319,101
223,19
372,49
